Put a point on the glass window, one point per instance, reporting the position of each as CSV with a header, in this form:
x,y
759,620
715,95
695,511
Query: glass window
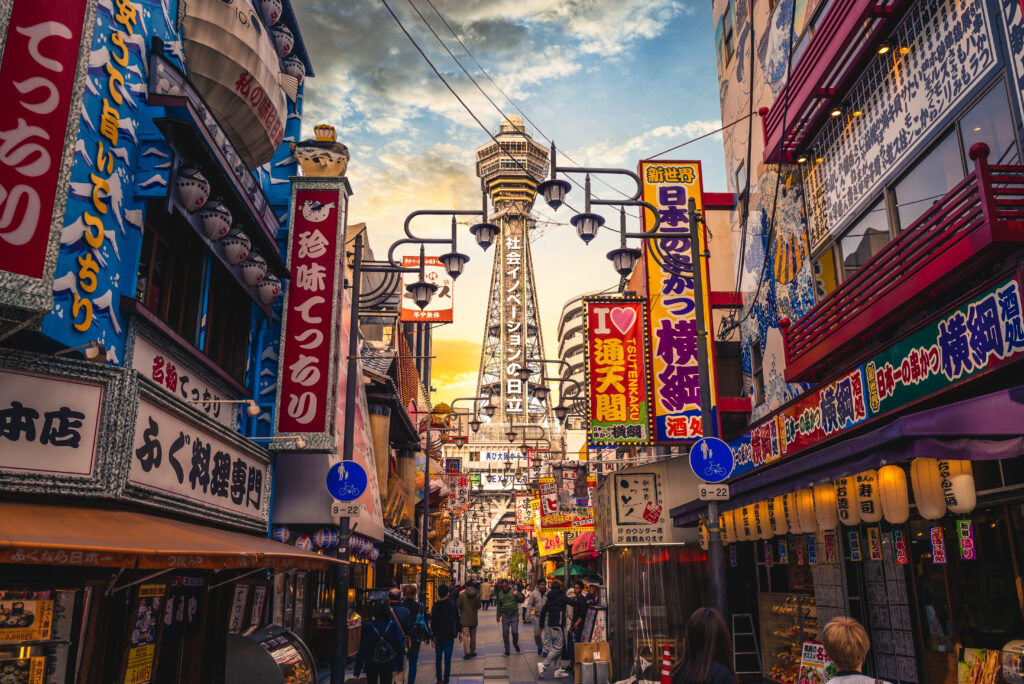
x,y
864,239
931,177
990,121
825,274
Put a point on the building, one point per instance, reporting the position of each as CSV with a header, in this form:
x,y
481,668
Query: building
x,y
572,351
879,252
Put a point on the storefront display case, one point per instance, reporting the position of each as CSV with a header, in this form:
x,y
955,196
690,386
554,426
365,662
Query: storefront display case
x,y
38,631
787,620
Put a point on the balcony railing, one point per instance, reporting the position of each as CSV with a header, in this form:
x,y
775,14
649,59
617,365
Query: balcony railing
x,y
843,39
972,225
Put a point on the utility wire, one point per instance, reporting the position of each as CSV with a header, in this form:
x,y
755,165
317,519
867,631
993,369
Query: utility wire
x,y
717,130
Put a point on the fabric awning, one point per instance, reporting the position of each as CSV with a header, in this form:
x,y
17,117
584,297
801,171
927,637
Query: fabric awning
x,y
583,545
75,536
988,427
397,558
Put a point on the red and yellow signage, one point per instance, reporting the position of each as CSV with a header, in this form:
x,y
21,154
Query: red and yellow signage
x,y
617,372
675,378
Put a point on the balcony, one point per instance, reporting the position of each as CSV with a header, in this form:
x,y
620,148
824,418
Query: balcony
x,y
844,38
977,222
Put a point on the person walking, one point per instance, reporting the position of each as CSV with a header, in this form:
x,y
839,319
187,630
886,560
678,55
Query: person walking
x,y
415,609
508,600
485,594
707,655
533,605
445,625
381,647
526,595
469,608
846,643
552,621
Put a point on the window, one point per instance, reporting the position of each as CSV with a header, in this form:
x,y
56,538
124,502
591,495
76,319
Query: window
x,y
930,178
864,239
226,337
723,37
757,373
990,121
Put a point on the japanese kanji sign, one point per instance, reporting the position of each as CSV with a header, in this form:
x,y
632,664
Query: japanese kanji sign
x,y
308,333
441,305
524,520
557,514
458,493
675,379
617,372
974,338
639,510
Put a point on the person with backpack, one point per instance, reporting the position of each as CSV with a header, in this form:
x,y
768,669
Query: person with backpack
x,y
380,647
469,607
552,620
418,632
507,602
445,624
707,657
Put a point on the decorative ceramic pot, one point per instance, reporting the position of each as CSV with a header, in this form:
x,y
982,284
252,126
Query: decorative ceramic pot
x,y
283,39
236,246
269,288
293,66
193,188
270,10
253,269
216,219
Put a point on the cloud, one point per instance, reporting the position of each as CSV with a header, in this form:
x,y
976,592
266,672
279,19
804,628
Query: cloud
x,y
618,151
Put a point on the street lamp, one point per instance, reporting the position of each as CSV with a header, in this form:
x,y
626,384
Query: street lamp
x,y
561,412
511,434
484,232
624,259
454,261
541,391
460,440
524,373
474,425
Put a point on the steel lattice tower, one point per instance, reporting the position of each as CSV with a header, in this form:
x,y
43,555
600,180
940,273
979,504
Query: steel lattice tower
x,y
512,331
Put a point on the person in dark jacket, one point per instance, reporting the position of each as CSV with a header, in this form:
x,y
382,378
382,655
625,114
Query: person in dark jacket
x,y
706,654
414,607
445,625
552,621
382,627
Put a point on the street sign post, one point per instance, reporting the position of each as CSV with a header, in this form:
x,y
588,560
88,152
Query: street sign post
x,y
713,492
346,481
346,509
712,460
455,549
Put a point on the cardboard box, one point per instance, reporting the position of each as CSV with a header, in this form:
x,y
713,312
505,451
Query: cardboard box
x,y
592,652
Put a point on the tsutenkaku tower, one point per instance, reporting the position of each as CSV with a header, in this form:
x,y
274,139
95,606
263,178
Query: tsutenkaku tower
x,y
510,172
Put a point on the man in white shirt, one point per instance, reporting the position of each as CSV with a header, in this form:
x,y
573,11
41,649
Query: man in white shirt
x,y
534,604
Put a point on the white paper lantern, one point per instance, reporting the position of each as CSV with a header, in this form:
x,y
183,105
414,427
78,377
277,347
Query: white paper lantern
x,y
745,527
892,492
869,501
761,520
777,515
726,524
958,486
846,501
924,478
825,511
805,510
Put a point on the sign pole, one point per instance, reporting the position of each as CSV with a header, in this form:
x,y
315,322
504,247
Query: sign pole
x,y
426,516
716,554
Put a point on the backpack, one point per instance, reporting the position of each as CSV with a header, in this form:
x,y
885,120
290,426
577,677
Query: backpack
x,y
382,653
420,630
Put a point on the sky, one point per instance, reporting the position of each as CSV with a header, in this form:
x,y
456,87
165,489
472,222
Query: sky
x,y
611,81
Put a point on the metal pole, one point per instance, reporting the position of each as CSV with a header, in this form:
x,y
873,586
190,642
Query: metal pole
x,y
341,573
716,554
426,517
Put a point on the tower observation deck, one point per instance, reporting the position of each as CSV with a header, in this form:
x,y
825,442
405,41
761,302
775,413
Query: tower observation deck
x,y
510,171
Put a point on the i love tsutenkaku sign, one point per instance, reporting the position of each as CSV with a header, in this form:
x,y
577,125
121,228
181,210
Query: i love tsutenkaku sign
x,y
617,372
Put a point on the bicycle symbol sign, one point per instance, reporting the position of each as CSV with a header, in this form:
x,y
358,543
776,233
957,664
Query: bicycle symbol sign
x,y
346,481
711,460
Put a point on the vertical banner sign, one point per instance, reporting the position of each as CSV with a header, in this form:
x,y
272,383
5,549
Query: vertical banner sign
x,y
548,497
441,305
899,545
875,543
460,490
812,550
524,519
616,331
799,551
37,79
145,633
307,333
829,541
733,558
783,552
769,557
965,533
855,553
675,377
938,544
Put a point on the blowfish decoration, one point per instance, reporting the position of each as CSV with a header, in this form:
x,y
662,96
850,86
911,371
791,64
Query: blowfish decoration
x,y
323,156
317,212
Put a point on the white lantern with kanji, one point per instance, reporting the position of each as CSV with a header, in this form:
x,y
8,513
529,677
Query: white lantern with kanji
x,y
777,515
892,490
869,501
745,526
725,524
846,501
805,510
789,511
924,478
957,479
762,521
825,512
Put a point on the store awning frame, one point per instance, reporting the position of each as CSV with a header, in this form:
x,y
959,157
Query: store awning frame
x,y
988,427
94,537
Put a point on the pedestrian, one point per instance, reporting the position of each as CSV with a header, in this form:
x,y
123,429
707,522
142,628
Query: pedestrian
x,y
445,625
508,601
381,647
526,595
707,657
404,619
415,609
534,604
469,607
582,602
485,594
847,643
552,621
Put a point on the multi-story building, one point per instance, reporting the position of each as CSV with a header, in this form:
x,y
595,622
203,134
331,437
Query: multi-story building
x,y
878,241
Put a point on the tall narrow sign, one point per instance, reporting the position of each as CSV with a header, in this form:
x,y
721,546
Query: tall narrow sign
x,y
617,372
675,377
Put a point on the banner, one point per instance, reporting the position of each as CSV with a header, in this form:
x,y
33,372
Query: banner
x,y
458,493
524,520
441,305
550,543
675,378
554,515
616,372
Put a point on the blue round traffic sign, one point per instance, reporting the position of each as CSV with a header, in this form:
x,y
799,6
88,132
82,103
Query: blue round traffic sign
x,y
711,460
346,481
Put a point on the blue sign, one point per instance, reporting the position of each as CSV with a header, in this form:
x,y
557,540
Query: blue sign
x,y
712,460
346,481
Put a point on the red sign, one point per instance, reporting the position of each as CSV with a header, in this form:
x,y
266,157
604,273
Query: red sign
x,y
938,544
652,513
306,351
617,372
899,543
37,76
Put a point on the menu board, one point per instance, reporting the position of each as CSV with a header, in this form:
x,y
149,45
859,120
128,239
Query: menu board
x,y
22,670
22,620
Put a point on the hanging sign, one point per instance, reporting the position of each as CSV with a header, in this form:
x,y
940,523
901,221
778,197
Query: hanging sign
x,y
783,552
769,556
799,551
548,497
347,480
855,554
616,333
25,620
524,521
938,544
711,460
875,543
441,305
899,545
458,493
846,501
455,549
829,541
733,558
812,550
452,465
965,533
